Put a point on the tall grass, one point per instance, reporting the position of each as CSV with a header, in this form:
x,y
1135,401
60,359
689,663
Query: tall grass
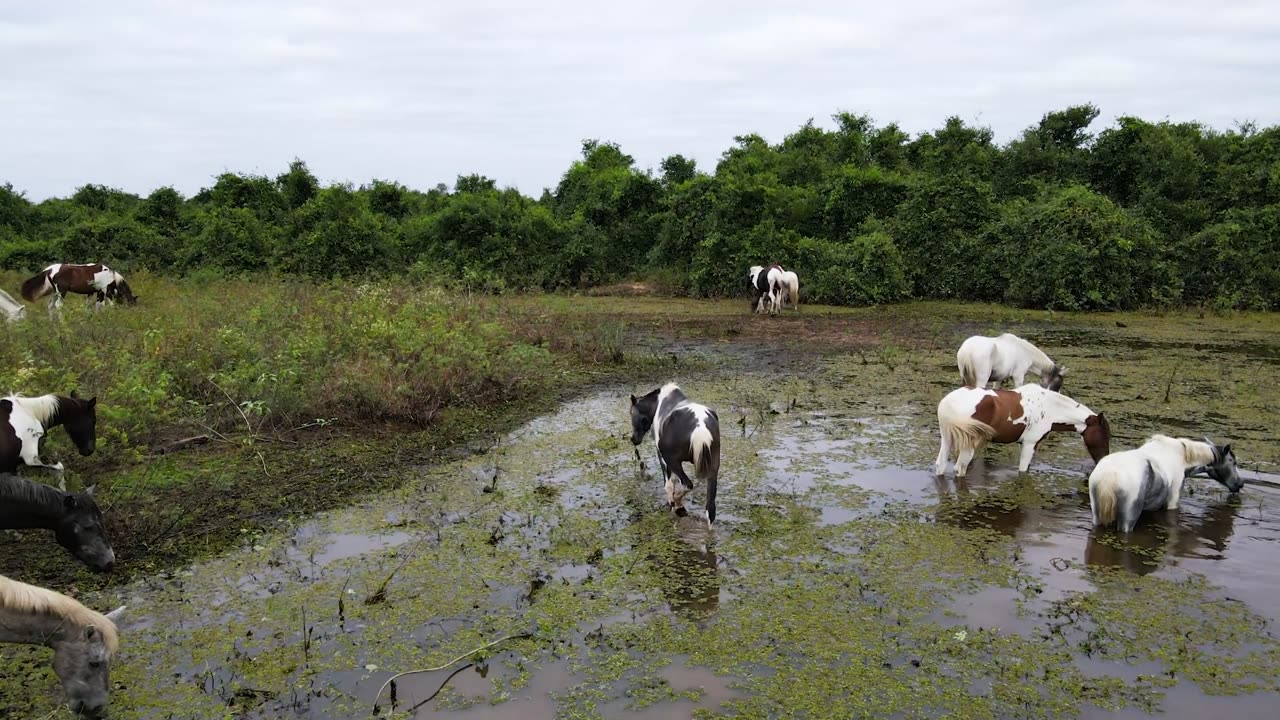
x,y
247,356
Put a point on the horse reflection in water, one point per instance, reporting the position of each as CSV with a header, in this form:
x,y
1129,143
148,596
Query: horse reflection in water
x,y
693,590
1167,533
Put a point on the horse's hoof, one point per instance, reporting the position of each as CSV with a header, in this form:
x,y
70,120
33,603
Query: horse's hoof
x,y
681,512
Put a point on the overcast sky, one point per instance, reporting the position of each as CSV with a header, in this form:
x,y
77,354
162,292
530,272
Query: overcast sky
x,y
138,94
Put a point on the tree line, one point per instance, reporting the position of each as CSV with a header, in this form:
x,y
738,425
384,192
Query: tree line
x,y
1141,214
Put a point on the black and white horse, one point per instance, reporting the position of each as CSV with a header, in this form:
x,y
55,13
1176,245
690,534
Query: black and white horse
x,y
683,432
766,287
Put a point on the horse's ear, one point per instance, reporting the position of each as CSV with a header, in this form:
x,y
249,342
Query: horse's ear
x,y
115,615
93,401
1062,371
89,490
633,399
1226,449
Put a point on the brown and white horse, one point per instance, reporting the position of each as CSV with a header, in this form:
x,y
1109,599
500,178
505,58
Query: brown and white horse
x,y
969,418
96,280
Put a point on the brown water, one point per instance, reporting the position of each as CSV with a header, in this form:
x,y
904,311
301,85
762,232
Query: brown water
x,y
282,627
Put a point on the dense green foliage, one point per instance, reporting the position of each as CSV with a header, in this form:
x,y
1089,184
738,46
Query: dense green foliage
x,y
1142,214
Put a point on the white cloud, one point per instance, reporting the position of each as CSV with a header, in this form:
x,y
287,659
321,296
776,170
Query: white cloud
x,y
142,93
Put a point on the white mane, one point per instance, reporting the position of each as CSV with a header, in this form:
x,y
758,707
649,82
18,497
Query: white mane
x,y
21,597
41,408
1191,452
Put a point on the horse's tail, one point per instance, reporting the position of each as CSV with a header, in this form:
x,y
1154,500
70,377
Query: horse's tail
x,y
1102,498
964,432
705,444
701,442
968,372
37,287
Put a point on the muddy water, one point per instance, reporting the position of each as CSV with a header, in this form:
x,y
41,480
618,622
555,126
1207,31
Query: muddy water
x,y
844,579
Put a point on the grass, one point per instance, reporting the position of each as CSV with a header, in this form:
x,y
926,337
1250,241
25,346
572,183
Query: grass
x,y
309,393
794,611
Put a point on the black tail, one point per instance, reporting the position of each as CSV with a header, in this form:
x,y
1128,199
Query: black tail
x,y
36,287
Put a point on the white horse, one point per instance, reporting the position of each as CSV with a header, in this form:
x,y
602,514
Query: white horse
x,y
790,289
1124,485
969,418
10,308
992,359
83,641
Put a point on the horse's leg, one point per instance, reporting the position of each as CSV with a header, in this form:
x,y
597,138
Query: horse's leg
x,y
30,454
1175,492
944,453
678,492
1028,449
962,462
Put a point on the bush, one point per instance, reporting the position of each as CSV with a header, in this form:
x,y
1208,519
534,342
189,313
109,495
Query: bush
x,y
868,270
1074,249
1235,264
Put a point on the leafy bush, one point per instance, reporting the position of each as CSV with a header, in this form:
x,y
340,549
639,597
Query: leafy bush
x,y
868,270
1076,250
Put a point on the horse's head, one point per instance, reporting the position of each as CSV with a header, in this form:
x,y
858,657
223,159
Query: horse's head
x,y
1223,468
1051,378
124,292
82,661
80,417
642,411
80,531
1097,436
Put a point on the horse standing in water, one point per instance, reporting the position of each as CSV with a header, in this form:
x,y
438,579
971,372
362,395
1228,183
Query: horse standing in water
x,y
766,286
683,432
98,281
74,518
992,359
24,421
969,418
1150,477
83,640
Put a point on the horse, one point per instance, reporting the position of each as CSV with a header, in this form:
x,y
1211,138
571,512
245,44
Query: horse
x,y
683,432
790,285
74,518
969,418
992,359
98,281
10,308
83,641
1151,476
24,420
766,284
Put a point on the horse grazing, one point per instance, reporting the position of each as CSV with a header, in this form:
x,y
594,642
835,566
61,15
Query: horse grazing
x,y
766,285
73,517
24,420
992,359
98,281
683,432
83,640
1123,485
11,309
969,418
790,289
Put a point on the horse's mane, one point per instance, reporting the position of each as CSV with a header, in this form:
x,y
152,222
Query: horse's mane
x,y
41,408
1042,360
17,490
21,597
1194,452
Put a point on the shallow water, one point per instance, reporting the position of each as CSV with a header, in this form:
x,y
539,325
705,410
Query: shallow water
x,y
841,577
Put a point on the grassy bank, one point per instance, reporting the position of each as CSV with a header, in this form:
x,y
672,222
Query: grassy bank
x,y
308,394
